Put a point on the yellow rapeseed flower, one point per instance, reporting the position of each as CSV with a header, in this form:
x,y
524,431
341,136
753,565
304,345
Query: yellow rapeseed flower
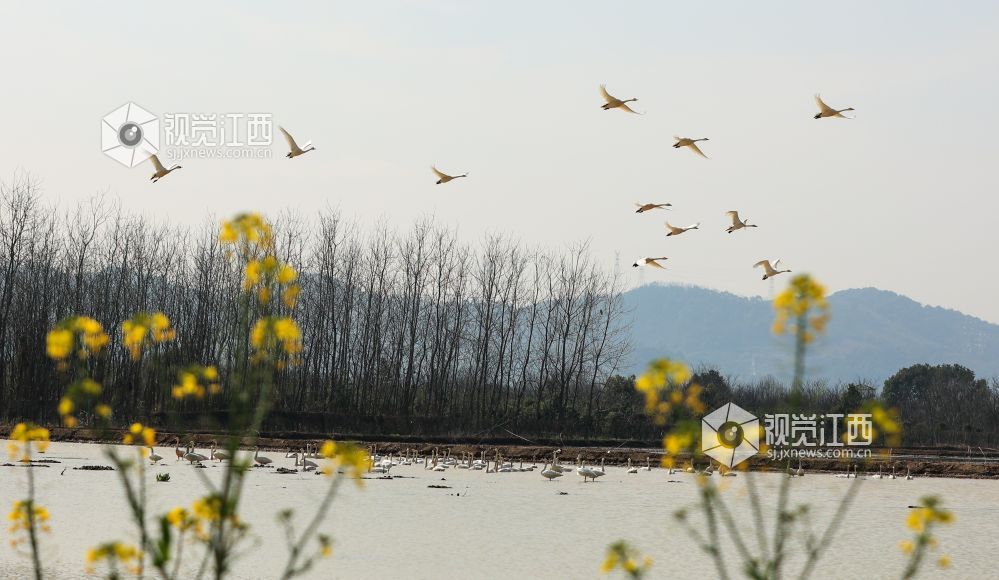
x,y
287,274
59,343
228,234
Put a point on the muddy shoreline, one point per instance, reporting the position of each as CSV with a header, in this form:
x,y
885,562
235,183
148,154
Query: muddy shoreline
x,y
944,461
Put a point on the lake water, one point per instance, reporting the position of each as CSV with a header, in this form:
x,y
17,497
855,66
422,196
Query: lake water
x,y
503,525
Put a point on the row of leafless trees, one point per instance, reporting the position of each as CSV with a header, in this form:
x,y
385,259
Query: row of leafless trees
x,y
403,332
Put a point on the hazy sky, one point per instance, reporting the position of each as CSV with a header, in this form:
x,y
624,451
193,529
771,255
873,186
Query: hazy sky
x,y
901,198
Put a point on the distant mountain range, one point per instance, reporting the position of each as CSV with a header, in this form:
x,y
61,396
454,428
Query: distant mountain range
x,y
872,334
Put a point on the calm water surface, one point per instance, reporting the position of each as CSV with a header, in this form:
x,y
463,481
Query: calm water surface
x,y
503,525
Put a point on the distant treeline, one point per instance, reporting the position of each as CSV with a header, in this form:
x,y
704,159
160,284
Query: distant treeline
x,y
410,333
401,331
937,405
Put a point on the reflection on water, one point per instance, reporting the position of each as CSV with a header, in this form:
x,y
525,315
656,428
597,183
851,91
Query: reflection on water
x,y
503,525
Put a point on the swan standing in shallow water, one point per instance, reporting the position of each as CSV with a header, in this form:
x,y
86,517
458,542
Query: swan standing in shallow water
x,y
305,463
550,474
630,468
260,459
599,472
192,456
153,457
218,455
180,454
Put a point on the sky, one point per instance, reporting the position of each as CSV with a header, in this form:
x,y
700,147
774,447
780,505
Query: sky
x,y
903,197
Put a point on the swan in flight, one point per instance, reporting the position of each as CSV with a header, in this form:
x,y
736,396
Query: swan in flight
x,y
644,207
769,271
444,177
161,171
827,111
295,150
737,224
615,103
153,457
651,262
690,143
675,231
260,459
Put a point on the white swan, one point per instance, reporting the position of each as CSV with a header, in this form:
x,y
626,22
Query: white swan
x,y
599,472
192,456
690,144
550,474
801,472
769,270
908,476
651,262
153,457
444,177
827,111
616,103
737,224
218,455
648,464
675,231
630,468
295,150
161,171
586,472
644,207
